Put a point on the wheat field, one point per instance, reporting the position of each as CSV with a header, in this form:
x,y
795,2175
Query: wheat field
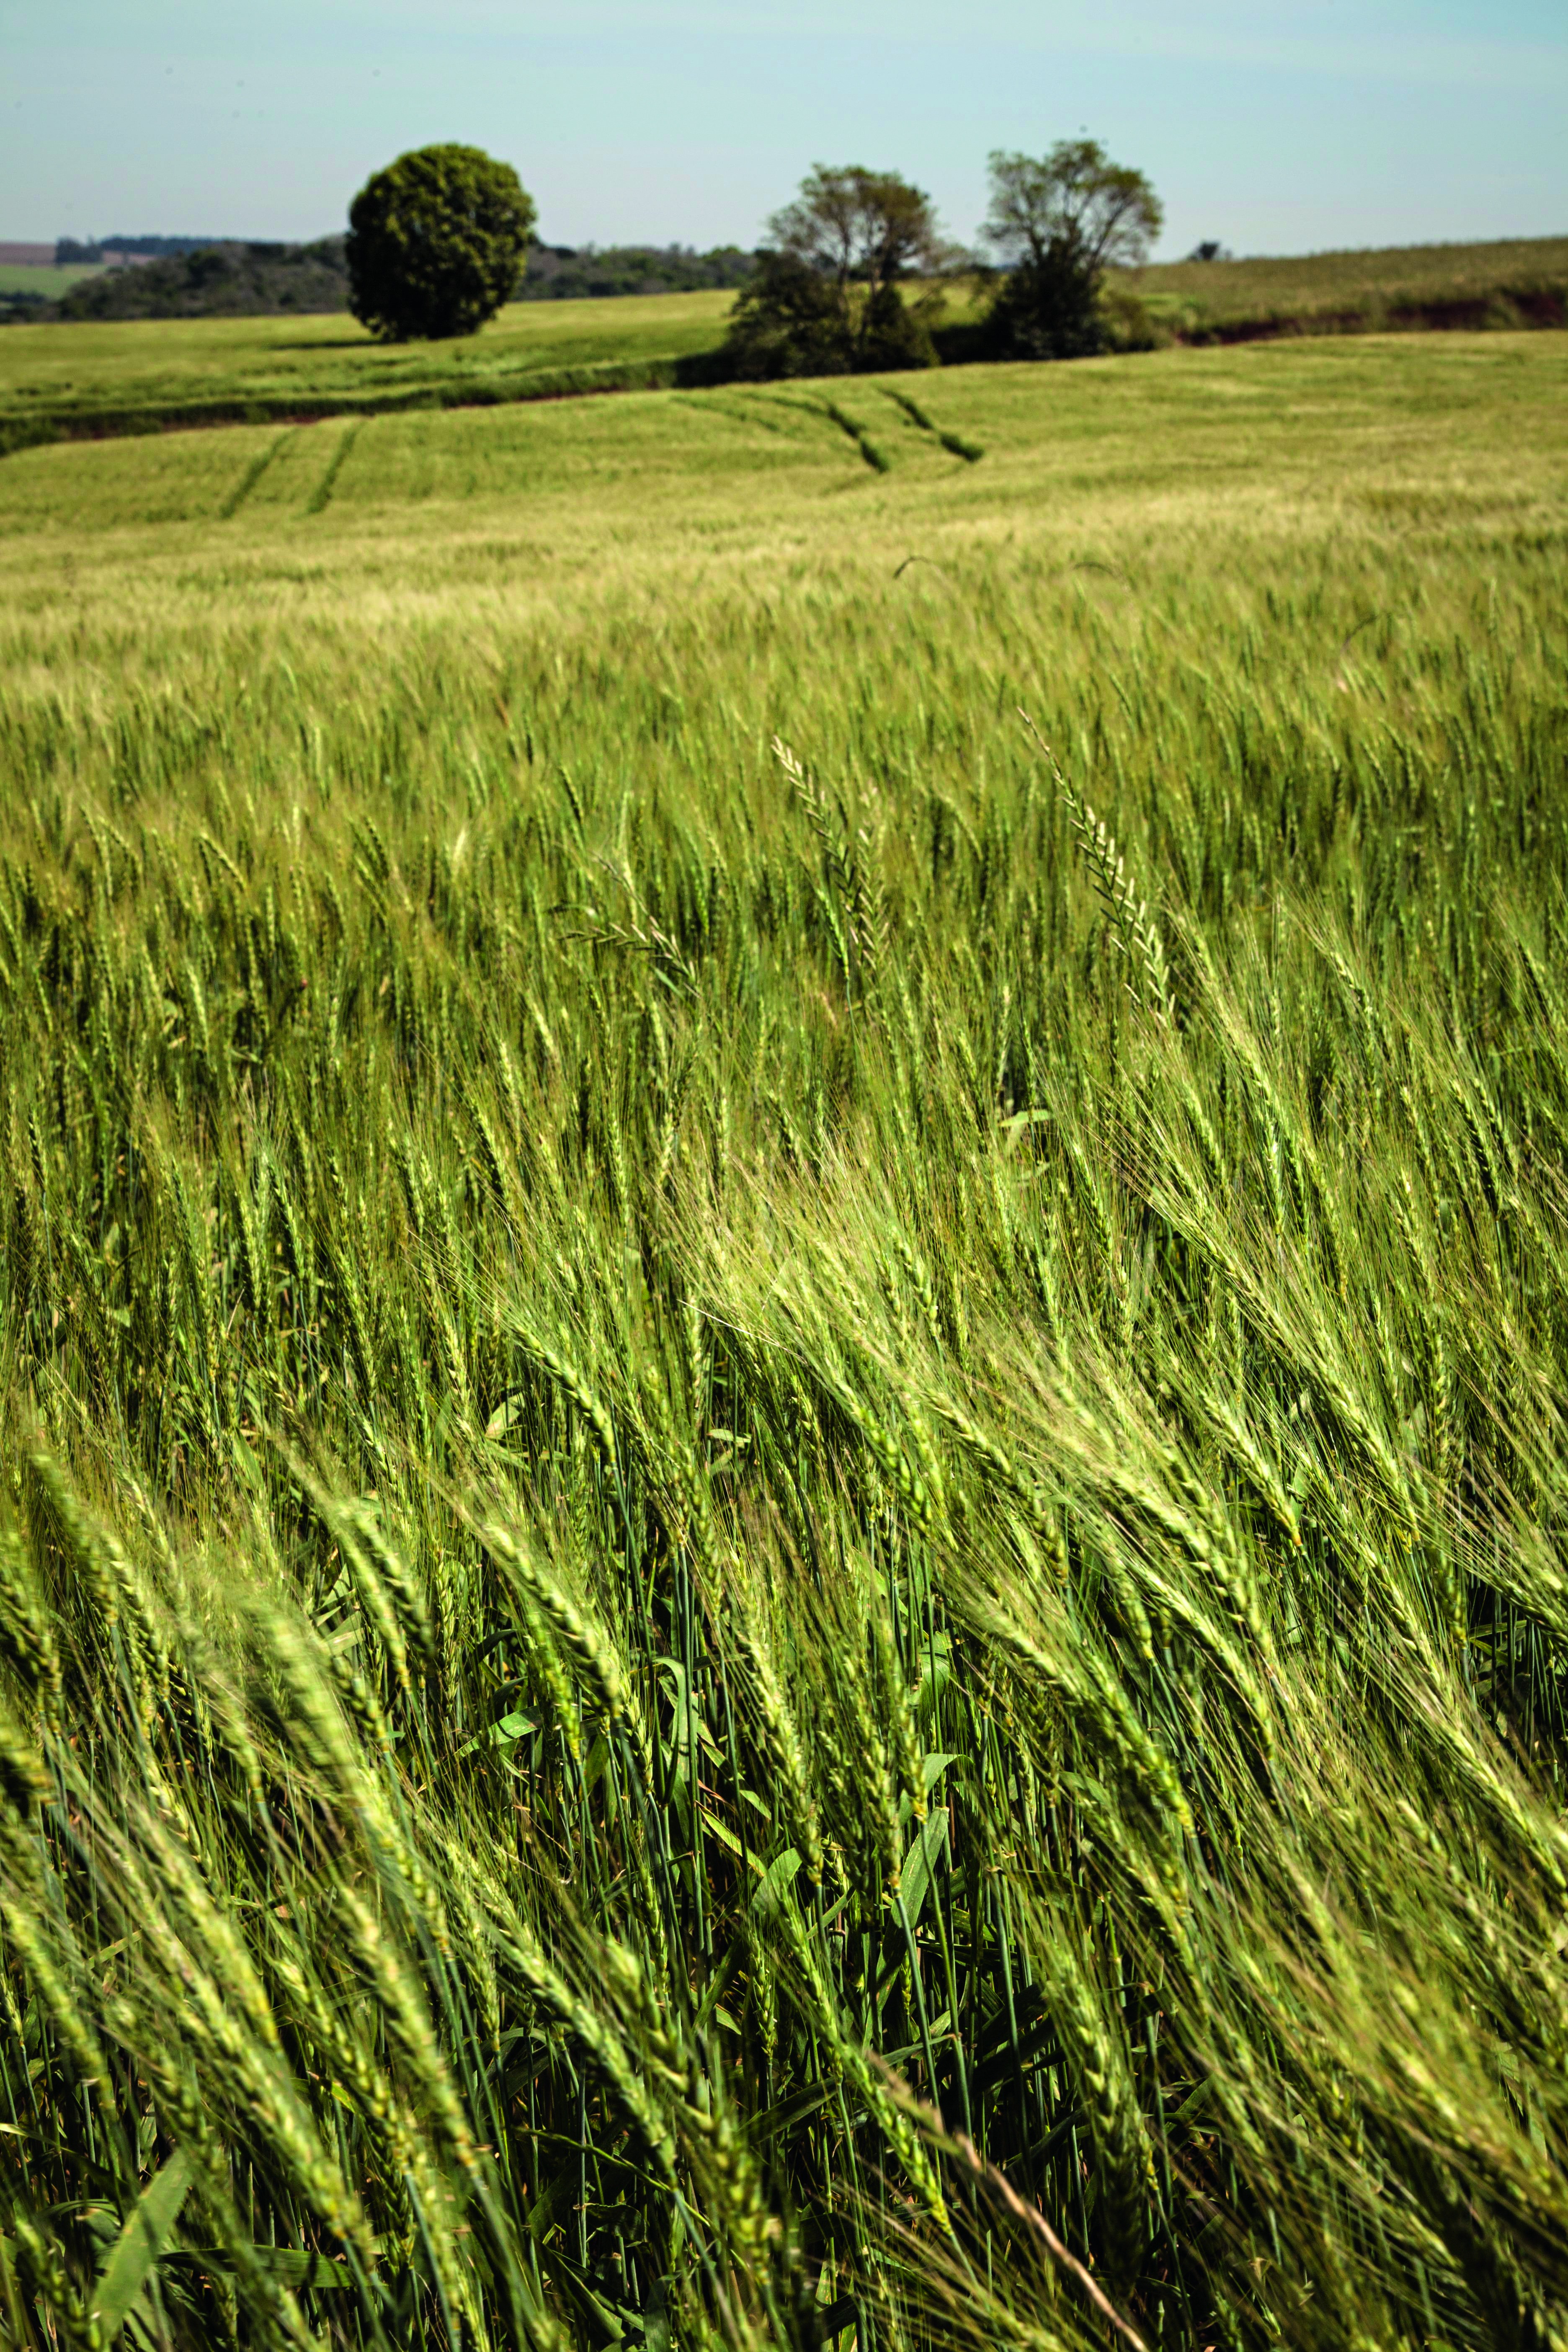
x,y
1327,293
782,1553
70,379
65,377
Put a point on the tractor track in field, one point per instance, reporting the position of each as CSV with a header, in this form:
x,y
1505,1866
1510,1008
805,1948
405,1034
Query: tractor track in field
x,y
252,475
321,496
20,433
954,443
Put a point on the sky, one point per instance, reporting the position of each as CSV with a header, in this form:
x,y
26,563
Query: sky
x,y
1290,127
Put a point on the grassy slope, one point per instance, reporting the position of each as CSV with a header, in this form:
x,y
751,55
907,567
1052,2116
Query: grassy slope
x,y
1423,284
721,471
130,376
156,369
429,1008
32,278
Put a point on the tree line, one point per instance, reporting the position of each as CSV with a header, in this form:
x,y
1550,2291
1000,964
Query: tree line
x,y
229,276
564,273
828,296
851,277
74,252
855,273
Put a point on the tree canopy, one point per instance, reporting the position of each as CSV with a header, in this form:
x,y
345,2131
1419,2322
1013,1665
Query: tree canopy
x,y
1074,200
437,243
858,228
1060,221
825,299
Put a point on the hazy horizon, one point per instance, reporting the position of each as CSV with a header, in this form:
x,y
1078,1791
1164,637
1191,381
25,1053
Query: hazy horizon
x,y
663,244
650,122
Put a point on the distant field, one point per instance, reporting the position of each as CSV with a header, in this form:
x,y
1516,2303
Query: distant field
x,y
727,467
31,278
1520,281
133,375
63,379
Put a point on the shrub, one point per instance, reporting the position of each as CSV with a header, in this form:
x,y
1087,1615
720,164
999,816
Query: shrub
x,y
895,335
792,320
824,298
786,322
1048,308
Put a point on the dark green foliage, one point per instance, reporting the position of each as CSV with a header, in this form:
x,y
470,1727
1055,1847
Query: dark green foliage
x,y
858,228
792,320
1046,309
1052,309
893,334
1060,222
218,281
21,305
1105,213
824,297
787,321
225,278
560,273
437,243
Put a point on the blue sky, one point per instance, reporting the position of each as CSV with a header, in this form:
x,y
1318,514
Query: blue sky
x,y
1285,127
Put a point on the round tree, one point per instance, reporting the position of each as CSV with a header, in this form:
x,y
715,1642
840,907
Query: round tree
x,y
437,243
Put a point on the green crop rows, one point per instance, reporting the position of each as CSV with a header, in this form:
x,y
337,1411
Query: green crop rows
x,y
74,377
1521,280
66,378
784,1471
